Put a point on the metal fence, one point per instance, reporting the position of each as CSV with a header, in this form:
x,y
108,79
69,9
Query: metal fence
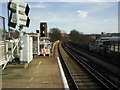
x,y
1,28
2,46
2,40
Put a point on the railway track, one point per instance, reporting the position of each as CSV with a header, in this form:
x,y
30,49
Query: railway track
x,y
111,72
80,75
76,75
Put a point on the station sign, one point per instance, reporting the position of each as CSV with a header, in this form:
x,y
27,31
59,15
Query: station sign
x,y
49,45
43,51
47,51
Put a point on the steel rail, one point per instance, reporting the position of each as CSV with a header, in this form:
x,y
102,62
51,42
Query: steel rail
x,y
104,81
67,71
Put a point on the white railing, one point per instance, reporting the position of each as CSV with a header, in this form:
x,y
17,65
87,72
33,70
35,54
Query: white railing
x,y
2,53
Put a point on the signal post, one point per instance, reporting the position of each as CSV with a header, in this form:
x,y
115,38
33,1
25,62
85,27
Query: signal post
x,y
44,40
18,16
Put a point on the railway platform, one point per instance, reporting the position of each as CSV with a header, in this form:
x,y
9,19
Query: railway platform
x,y
42,72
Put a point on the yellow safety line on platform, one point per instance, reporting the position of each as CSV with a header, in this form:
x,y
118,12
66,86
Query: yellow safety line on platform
x,y
38,64
31,78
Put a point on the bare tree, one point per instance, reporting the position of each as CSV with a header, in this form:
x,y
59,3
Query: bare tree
x,y
76,36
55,34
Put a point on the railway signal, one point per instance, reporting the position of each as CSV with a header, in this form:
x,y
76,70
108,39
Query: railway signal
x,y
12,20
43,29
19,13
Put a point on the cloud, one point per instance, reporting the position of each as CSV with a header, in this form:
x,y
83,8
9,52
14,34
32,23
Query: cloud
x,y
38,5
51,17
101,6
82,14
106,20
55,18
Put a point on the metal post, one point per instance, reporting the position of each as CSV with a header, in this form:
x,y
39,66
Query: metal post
x,y
44,45
9,36
114,47
21,48
21,55
118,46
8,25
38,44
17,51
4,36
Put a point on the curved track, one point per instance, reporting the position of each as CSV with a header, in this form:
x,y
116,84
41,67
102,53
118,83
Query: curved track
x,y
80,75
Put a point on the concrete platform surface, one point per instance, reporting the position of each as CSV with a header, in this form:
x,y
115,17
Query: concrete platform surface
x,y
42,72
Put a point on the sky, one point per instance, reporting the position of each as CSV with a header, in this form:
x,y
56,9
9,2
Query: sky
x,y
86,17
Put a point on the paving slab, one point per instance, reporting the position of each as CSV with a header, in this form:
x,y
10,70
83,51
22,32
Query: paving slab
x,y
42,72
